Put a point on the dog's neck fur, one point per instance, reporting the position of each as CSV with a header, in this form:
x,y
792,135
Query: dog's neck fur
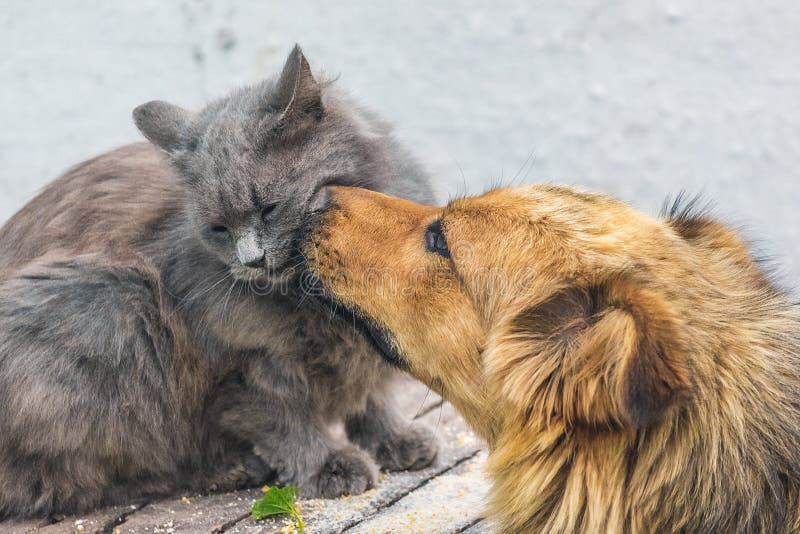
x,y
743,439
461,392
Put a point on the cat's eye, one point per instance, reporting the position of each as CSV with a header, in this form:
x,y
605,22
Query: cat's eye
x,y
219,229
267,211
435,241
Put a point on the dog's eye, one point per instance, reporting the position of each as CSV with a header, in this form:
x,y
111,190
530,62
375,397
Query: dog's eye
x,y
435,241
219,229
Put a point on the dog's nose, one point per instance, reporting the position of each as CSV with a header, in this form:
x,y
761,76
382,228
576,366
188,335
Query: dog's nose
x,y
249,252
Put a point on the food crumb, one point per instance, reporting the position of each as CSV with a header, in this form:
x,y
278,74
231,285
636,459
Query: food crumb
x,y
465,439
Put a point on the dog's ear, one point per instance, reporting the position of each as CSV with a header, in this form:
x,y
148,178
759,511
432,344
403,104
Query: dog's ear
x,y
607,354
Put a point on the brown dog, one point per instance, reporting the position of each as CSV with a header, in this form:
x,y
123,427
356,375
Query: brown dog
x,y
630,374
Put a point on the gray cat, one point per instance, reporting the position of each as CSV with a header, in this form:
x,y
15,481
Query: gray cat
x,y
153,336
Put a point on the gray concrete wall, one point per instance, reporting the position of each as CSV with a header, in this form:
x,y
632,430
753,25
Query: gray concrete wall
x,y
639,99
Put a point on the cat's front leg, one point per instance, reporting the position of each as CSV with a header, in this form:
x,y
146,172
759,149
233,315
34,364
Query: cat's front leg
x,y
395,442
293,440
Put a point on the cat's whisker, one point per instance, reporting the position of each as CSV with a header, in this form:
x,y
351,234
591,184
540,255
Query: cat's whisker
x,y
202,291
209,308
305,293
295,266
186,302
239,295
302,299
302,253
227,300
334,310
522,173
424,400
438,420
461,171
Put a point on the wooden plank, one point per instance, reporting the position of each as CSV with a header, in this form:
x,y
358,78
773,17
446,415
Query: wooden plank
x,y
450,502
481,527
96,522
206,513
25,526
102,520
458,446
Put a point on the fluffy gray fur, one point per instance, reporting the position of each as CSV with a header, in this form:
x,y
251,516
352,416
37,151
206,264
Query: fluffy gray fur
x,y
153,336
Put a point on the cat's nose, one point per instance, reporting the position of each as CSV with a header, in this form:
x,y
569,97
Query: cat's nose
x,y
249,252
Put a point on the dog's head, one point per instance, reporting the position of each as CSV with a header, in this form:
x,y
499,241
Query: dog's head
x,y
542,303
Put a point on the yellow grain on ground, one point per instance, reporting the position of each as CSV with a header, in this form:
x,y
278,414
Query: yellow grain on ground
x,y
445,501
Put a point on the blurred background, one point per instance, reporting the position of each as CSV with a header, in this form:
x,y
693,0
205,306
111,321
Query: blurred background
x,y
638,99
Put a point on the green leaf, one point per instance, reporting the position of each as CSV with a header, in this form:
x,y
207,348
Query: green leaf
x,y
279,501
276,501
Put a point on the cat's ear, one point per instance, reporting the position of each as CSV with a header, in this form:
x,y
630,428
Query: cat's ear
x,y
162,123
296,97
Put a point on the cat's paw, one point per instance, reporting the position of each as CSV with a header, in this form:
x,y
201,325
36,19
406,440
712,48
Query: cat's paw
x,y
247,472
413,448
347,471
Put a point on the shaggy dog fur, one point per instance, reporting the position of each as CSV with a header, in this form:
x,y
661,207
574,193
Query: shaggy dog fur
x,y
630,373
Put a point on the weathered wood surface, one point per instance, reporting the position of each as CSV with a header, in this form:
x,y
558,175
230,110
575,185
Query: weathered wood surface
x,y
446,497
